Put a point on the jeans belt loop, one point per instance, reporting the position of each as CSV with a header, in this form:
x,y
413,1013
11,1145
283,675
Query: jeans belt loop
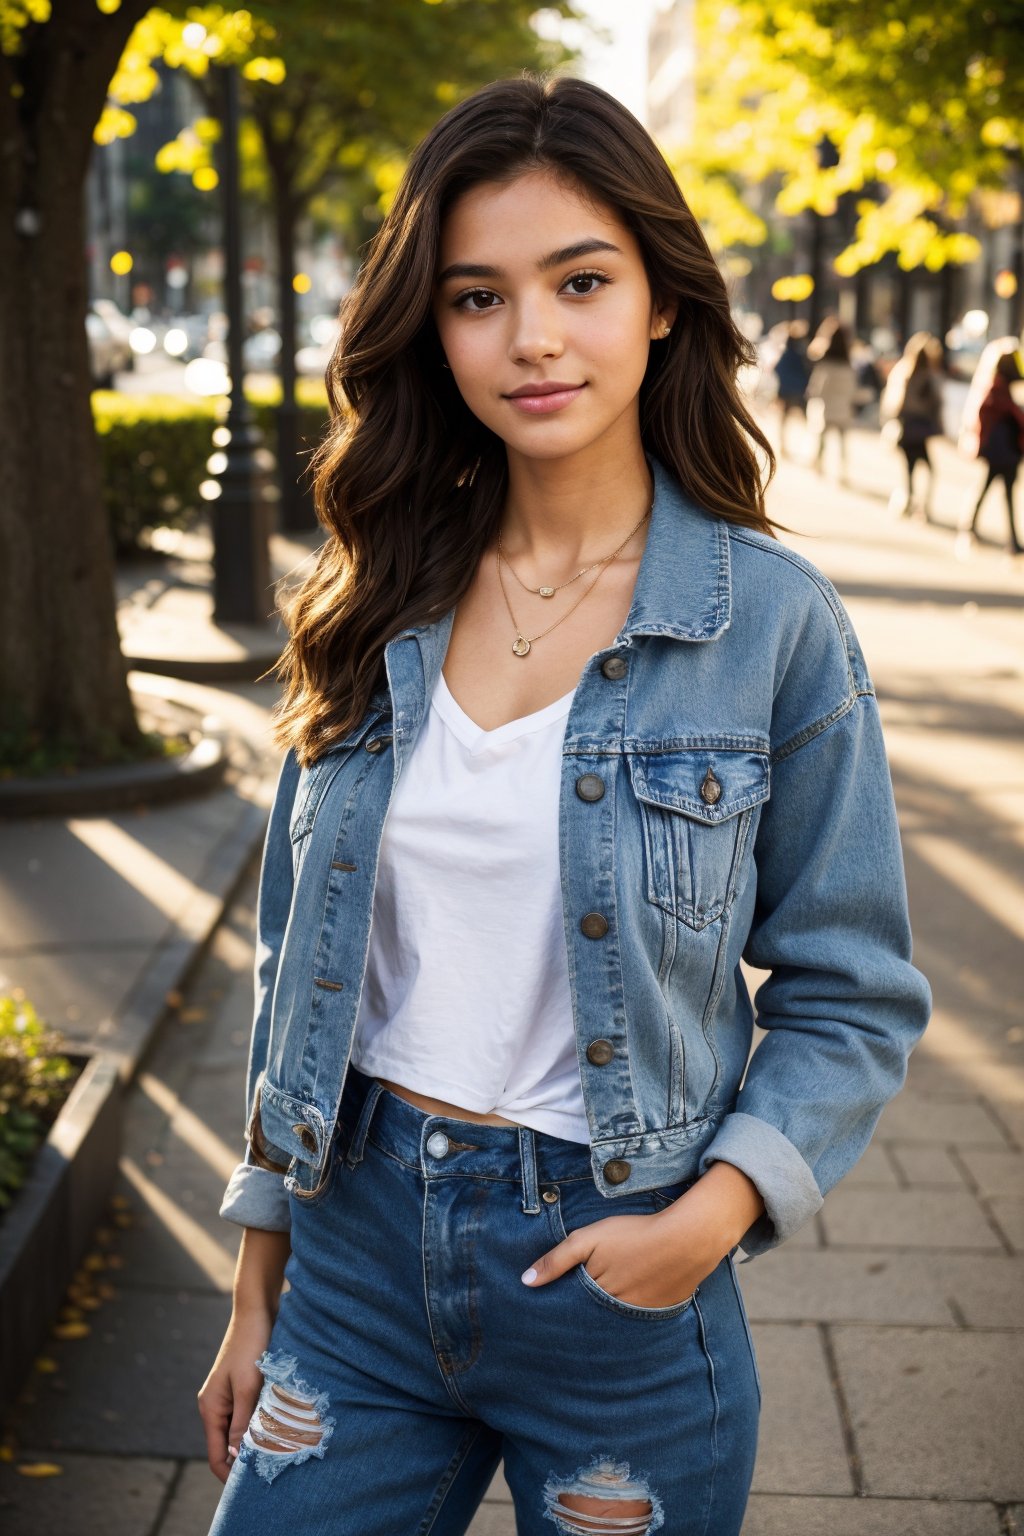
x,y
355,1150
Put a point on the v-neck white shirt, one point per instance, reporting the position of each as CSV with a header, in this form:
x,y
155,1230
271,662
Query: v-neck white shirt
x,y
466,992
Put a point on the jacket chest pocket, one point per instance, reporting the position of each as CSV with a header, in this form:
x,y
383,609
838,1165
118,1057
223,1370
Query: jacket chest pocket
x,y
696,807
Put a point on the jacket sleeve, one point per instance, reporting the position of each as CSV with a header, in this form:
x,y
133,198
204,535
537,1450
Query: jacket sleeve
x,y
843,1005
255,1195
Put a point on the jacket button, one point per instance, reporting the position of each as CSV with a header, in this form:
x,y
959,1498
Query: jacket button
x,y
590,786
594,925
711,789
378,743
306,1136
614,667
600,1052
617,1171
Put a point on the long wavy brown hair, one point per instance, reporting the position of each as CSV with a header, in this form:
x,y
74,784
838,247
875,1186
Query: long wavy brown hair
x,y
409,485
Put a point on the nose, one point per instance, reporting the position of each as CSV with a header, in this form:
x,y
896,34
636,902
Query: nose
x,y
535,334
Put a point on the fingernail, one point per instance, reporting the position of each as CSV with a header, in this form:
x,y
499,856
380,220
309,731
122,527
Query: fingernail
x,y
528,1276
232,1450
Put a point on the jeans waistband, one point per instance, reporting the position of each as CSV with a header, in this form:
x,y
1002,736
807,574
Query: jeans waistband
x,y
443,1147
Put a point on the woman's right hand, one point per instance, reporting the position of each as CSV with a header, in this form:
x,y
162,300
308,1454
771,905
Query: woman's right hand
x,y
228,1396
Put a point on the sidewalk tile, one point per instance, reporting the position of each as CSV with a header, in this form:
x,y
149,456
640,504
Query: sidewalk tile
x,y
494,1520
830,1287
1009,1214
873,1169
190,1511
130,1387
906,1218
988,1291
801,1443
924,1166
921,1117
112,1495
775,1515
995,1173
935,1413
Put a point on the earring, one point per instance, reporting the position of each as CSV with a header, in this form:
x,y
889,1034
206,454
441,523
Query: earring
x,y
446,365
665,329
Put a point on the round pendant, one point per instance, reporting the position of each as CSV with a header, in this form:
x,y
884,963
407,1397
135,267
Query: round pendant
x,y
521,646
546,591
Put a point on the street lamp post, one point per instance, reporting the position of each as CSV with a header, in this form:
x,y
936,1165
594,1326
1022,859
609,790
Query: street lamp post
x,y
240,509
828,156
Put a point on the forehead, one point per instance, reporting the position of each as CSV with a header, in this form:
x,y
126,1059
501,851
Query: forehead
x,y
505,224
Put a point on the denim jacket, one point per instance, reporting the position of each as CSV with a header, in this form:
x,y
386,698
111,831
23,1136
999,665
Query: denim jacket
x,y
725,796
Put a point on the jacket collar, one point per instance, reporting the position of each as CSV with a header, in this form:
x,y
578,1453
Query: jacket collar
x,y
683,587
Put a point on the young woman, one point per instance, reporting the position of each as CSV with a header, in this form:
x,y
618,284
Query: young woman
x,y
913,401
1000,437
569,734
831,389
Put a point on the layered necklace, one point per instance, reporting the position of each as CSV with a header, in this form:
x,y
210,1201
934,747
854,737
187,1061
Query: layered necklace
x,y
522,643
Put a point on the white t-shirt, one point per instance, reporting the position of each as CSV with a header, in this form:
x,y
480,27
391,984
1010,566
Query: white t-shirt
x,y
466,994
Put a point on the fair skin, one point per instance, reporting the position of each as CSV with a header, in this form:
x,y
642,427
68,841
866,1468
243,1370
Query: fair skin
x,y
578,482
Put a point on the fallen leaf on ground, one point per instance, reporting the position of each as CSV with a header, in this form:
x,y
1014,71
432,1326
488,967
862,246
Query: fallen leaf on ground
x,y
40,1469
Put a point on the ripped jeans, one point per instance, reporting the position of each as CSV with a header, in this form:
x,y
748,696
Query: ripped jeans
x,y
408,1359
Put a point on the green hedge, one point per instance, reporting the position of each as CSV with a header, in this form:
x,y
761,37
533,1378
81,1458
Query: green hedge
x,y
154,448
35,1079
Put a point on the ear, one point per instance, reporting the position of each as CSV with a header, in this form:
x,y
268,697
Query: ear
x,y
663,315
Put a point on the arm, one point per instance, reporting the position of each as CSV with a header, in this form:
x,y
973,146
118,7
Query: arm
x,y
843,1005
255,1195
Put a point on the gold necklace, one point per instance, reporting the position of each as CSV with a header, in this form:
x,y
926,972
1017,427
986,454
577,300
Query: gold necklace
x,y
550,591
521,644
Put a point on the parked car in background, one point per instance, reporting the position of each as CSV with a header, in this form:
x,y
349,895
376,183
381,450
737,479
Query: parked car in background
x,y
109,352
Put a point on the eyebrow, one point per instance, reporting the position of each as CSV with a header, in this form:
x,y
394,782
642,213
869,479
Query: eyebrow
x,y
552,259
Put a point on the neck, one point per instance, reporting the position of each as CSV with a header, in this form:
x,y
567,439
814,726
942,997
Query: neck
x,y
564,513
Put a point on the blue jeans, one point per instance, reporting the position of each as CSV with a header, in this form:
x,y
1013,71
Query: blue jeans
x,y
408,1358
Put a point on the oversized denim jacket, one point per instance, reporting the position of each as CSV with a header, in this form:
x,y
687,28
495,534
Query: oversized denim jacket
x,y
746,813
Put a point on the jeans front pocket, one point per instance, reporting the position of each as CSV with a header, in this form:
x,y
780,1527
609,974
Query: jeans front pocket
x,y
696,807
589,1205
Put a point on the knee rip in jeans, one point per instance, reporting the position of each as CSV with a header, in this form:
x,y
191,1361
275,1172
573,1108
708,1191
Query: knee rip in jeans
x,y
604,1500
290,1423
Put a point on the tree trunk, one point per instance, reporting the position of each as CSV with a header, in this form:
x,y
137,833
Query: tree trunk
x,y
62,678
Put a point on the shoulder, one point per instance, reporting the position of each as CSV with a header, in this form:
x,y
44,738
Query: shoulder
x,y
787,609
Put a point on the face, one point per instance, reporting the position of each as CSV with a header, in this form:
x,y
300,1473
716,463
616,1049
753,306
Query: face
x,y
545,290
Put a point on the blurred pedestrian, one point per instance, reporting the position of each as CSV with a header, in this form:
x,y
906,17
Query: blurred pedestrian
x,y
912,404
831,389
792,372
506,1214
1000,435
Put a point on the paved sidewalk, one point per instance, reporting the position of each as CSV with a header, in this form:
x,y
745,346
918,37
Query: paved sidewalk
x,y
890,1332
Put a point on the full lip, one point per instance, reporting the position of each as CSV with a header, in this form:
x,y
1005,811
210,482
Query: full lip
x,y
548,387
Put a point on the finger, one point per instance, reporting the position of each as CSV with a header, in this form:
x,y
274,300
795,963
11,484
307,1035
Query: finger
x,y
215,1426
564,1256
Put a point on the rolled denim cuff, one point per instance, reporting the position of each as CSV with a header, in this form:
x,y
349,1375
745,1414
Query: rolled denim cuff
x,y
255,1197
773,1164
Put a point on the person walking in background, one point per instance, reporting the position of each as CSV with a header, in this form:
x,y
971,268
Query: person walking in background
x,y
1000,438
912,404
792,373
831,389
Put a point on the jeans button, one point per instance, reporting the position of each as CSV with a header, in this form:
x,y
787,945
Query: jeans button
x,y
437,1144
550,1195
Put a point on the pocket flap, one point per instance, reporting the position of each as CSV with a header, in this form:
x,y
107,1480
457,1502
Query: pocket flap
x,y
706,783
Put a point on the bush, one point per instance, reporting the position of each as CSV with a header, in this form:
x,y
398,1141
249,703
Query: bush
x,y
35,1079
154,448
